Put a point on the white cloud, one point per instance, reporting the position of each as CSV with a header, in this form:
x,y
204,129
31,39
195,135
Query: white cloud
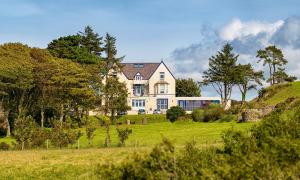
x,y
238,29
246,37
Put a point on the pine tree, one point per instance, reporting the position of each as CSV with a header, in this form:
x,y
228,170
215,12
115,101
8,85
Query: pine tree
x,y
274,57
220,73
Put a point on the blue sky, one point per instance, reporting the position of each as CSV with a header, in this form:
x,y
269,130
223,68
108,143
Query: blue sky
x,y
183,32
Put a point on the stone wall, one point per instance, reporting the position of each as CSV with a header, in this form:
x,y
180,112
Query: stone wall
x,y
252,115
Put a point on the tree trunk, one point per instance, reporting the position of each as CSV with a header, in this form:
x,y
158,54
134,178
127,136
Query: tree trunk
x,y
61,115
20,106
42,117
271,75
8,130
107,139
274,71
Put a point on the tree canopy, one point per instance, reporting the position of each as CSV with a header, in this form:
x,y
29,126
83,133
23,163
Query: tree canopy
x,y
187,88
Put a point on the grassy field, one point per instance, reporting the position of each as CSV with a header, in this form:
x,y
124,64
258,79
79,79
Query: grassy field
x,y
284,93
149,135
82,164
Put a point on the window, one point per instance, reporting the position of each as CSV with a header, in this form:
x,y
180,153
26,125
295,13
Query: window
x,y
138,103
138,76
162,75
138,89
162,103
138,65
163,89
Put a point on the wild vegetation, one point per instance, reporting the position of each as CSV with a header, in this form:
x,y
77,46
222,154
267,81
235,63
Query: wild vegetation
x,y
46,94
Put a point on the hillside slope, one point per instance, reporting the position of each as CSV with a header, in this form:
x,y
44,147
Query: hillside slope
x,y
276,94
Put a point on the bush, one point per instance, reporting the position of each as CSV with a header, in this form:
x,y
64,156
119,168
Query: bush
x,y
28,134
270,151
198,115
4,146
62,135
123,134
213,112
228,118
174,113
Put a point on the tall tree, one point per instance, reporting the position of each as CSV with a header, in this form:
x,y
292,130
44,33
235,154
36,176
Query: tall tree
x,y
187,88
220,73
91,40
112,65
16,81
247,79
43,72
274,58
69,47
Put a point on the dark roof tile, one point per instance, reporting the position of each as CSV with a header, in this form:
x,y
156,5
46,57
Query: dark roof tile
x,y
147,69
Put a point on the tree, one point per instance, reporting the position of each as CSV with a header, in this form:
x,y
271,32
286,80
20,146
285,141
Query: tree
x,y
16,81
69,47
116,97
281,76
247,79
90,131
106,122
123,134
43,72
187,88
220,73
274,57
70,86
114,92
91,41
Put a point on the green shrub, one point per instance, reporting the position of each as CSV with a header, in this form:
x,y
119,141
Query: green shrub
x,y
123,134
228,118
28,134
270,151
174,113
4,146
198,115
62,135
213,113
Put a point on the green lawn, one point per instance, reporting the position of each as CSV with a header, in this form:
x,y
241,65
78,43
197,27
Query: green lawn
x,y
82,163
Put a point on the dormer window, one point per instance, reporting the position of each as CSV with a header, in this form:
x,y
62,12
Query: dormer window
x,y
138,65
138,76
162,75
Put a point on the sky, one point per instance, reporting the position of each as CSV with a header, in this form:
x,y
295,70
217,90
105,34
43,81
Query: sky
x,y
183,33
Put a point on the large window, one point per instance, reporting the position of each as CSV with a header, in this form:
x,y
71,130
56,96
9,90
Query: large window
x,y
138,89
162,103
162,75
138,103
190,105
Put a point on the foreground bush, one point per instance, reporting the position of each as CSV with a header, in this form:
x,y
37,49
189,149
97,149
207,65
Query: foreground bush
x,y
174,113
270,151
